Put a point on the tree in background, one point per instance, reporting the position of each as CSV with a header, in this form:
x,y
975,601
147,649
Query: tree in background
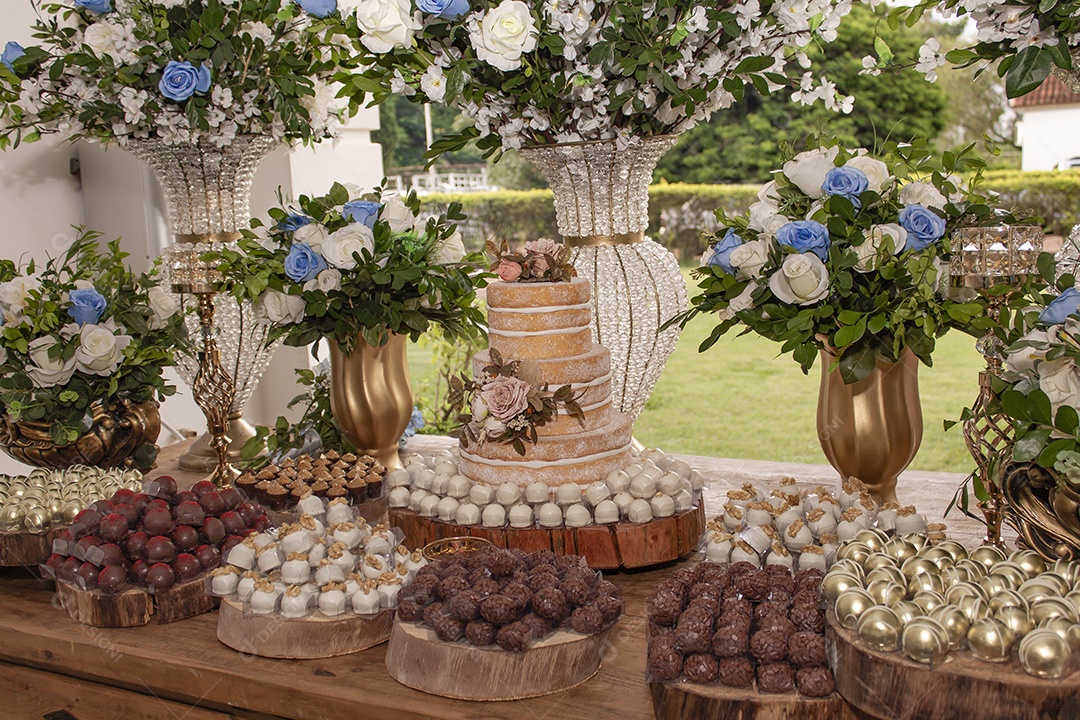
x,y
401,134
742,144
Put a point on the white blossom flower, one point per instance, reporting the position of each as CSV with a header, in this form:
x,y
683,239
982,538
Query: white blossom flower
x,y
930,59
503,34
433,83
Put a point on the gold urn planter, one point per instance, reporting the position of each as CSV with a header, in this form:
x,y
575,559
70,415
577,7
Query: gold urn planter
x,y
871,429
116,435
371,397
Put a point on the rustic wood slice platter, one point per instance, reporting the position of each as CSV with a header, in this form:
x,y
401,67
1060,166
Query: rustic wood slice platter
x,y
888,685
416,658
303,639
133,608
605,547
684,699
27,549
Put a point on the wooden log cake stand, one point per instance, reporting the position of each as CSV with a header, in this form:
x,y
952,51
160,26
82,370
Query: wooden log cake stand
x,y
135,607
889,685
417,658
310,638
22,549
683,699
605,547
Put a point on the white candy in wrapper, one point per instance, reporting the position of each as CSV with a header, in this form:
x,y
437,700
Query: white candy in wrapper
x,y
225,584
618,482
640,511
467,514
313,505
741,552
459,487
758,513
263,601
606,512
537,493
820,521
683,501
295,606
447,509
643,486
622,501
348,535
366,601
788,516
697,480
682,469
521,516
482,495
262,539
568,494
417,497
296,572
446,467
297,541
494,516
908,521
423,479
245,588
429,506
778,555
398,478
812,556
669,484
508,494
399,497
328,572
797,536
597,493
756,537
549,515
332,603
440,484
718,549
269,559
577,516
242,556
733,517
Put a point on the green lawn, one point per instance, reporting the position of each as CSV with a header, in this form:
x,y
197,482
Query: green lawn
x,y
739,400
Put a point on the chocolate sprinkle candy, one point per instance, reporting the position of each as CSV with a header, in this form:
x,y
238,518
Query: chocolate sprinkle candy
x,y
730,641
464,606
753,585
768,646
432,613
815,681
700,668
448,629
519,593
452,585
808,618
577,591
480,633
513,637
543,580
408,610
806,649
775,678
587,620
777,622
550,604
693,637
537,626
665,664
499,609
610,607
735,672
666,609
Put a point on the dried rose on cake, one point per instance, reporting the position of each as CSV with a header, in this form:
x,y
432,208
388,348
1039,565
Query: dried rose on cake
x,y
542,260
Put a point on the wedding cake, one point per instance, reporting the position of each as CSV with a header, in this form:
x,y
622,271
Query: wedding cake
x,y
547,326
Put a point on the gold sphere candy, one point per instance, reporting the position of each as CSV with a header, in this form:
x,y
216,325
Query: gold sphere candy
x,y
879,560
1058,582
71,509
12,515
1011,571
886,592
36,520
55,508
990,640
1069,631
955,576
987,555
942,558
1066,569
918,566
872,538
836,583
857,551
1074,598
1051,608
955,622
907,611
928,600
879,629
1017,619
924,640
1030,561
1044,653
993,584
919,541
958,551
850,566
973,607
850,605
1007,598
890,573
900,549
974,569
17,489
1036,590
926,582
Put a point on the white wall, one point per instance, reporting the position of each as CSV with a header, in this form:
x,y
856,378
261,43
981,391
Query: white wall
x,y
40,200
1049,136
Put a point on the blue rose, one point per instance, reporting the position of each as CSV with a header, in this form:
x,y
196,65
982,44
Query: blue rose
x,y
924,226
805,236
293,223
12,52
181,80
361,211
721,252
318,8
303,263
446,9
86,306
95,6
1064,305
847,182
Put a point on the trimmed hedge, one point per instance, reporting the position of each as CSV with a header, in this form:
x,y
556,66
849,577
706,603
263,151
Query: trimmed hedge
x,y
679,213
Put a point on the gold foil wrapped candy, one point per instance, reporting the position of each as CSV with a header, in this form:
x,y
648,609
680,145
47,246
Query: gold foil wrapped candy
x,y
1007,598
907,611
835,583
879,628
1017,619
924,640
1052,607
885,592
926,582
850,605
990,640
955,622
919,566
857,551
1069,631
1030,561
1044,653
891,573
928,601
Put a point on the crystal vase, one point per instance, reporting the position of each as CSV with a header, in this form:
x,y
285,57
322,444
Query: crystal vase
x,y
602,208
871,429
208,194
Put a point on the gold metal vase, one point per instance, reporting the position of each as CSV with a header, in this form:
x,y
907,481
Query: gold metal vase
x,y
871,429
371,397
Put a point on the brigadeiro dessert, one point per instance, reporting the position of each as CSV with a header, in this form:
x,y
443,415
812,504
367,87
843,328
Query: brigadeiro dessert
x,y
806,649
815,681
735,672
665,664
730,641
768,646
777,677
700,668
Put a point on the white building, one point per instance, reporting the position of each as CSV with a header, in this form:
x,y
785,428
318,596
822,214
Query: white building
x,y
1047,129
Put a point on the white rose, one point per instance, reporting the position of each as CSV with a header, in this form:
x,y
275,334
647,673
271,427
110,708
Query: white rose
x,y
769,193
103,38
801,280
278,308
100,350
397,214
504,34
1060,380
339,247
494,427
869,251
760,213
313,234
876,172
46,372
329,280
163,305
750,257
479,410
450,250
739,303
15,292
386,24
922,193
808,169
1025,358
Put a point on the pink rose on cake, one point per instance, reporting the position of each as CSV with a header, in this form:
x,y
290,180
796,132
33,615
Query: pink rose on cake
x,y
508,270
506,397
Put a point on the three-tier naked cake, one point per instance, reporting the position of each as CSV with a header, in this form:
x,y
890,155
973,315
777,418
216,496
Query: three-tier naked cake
x,y
549,323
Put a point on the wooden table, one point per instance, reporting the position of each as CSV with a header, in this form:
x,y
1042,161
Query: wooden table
x,y
52,667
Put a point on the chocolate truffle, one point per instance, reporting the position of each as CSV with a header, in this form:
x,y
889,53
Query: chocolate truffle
x,y
449,629
753,585
730,641
538,627
480,633
486,586
735,672
550,604
501,563
452,585
577,591
806,649
513,637
432,613
499,609
815,681
543,580
587,620
808,618
693,637
464,606
777,622
519,593
408,610
610,608
700,668
664,664
666,608
768,646
775,677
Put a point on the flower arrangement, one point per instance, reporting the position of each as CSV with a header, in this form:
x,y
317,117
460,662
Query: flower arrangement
x,y
847,253
1028,38
347,266
82,329
542,260
507,403
575,70
113,70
